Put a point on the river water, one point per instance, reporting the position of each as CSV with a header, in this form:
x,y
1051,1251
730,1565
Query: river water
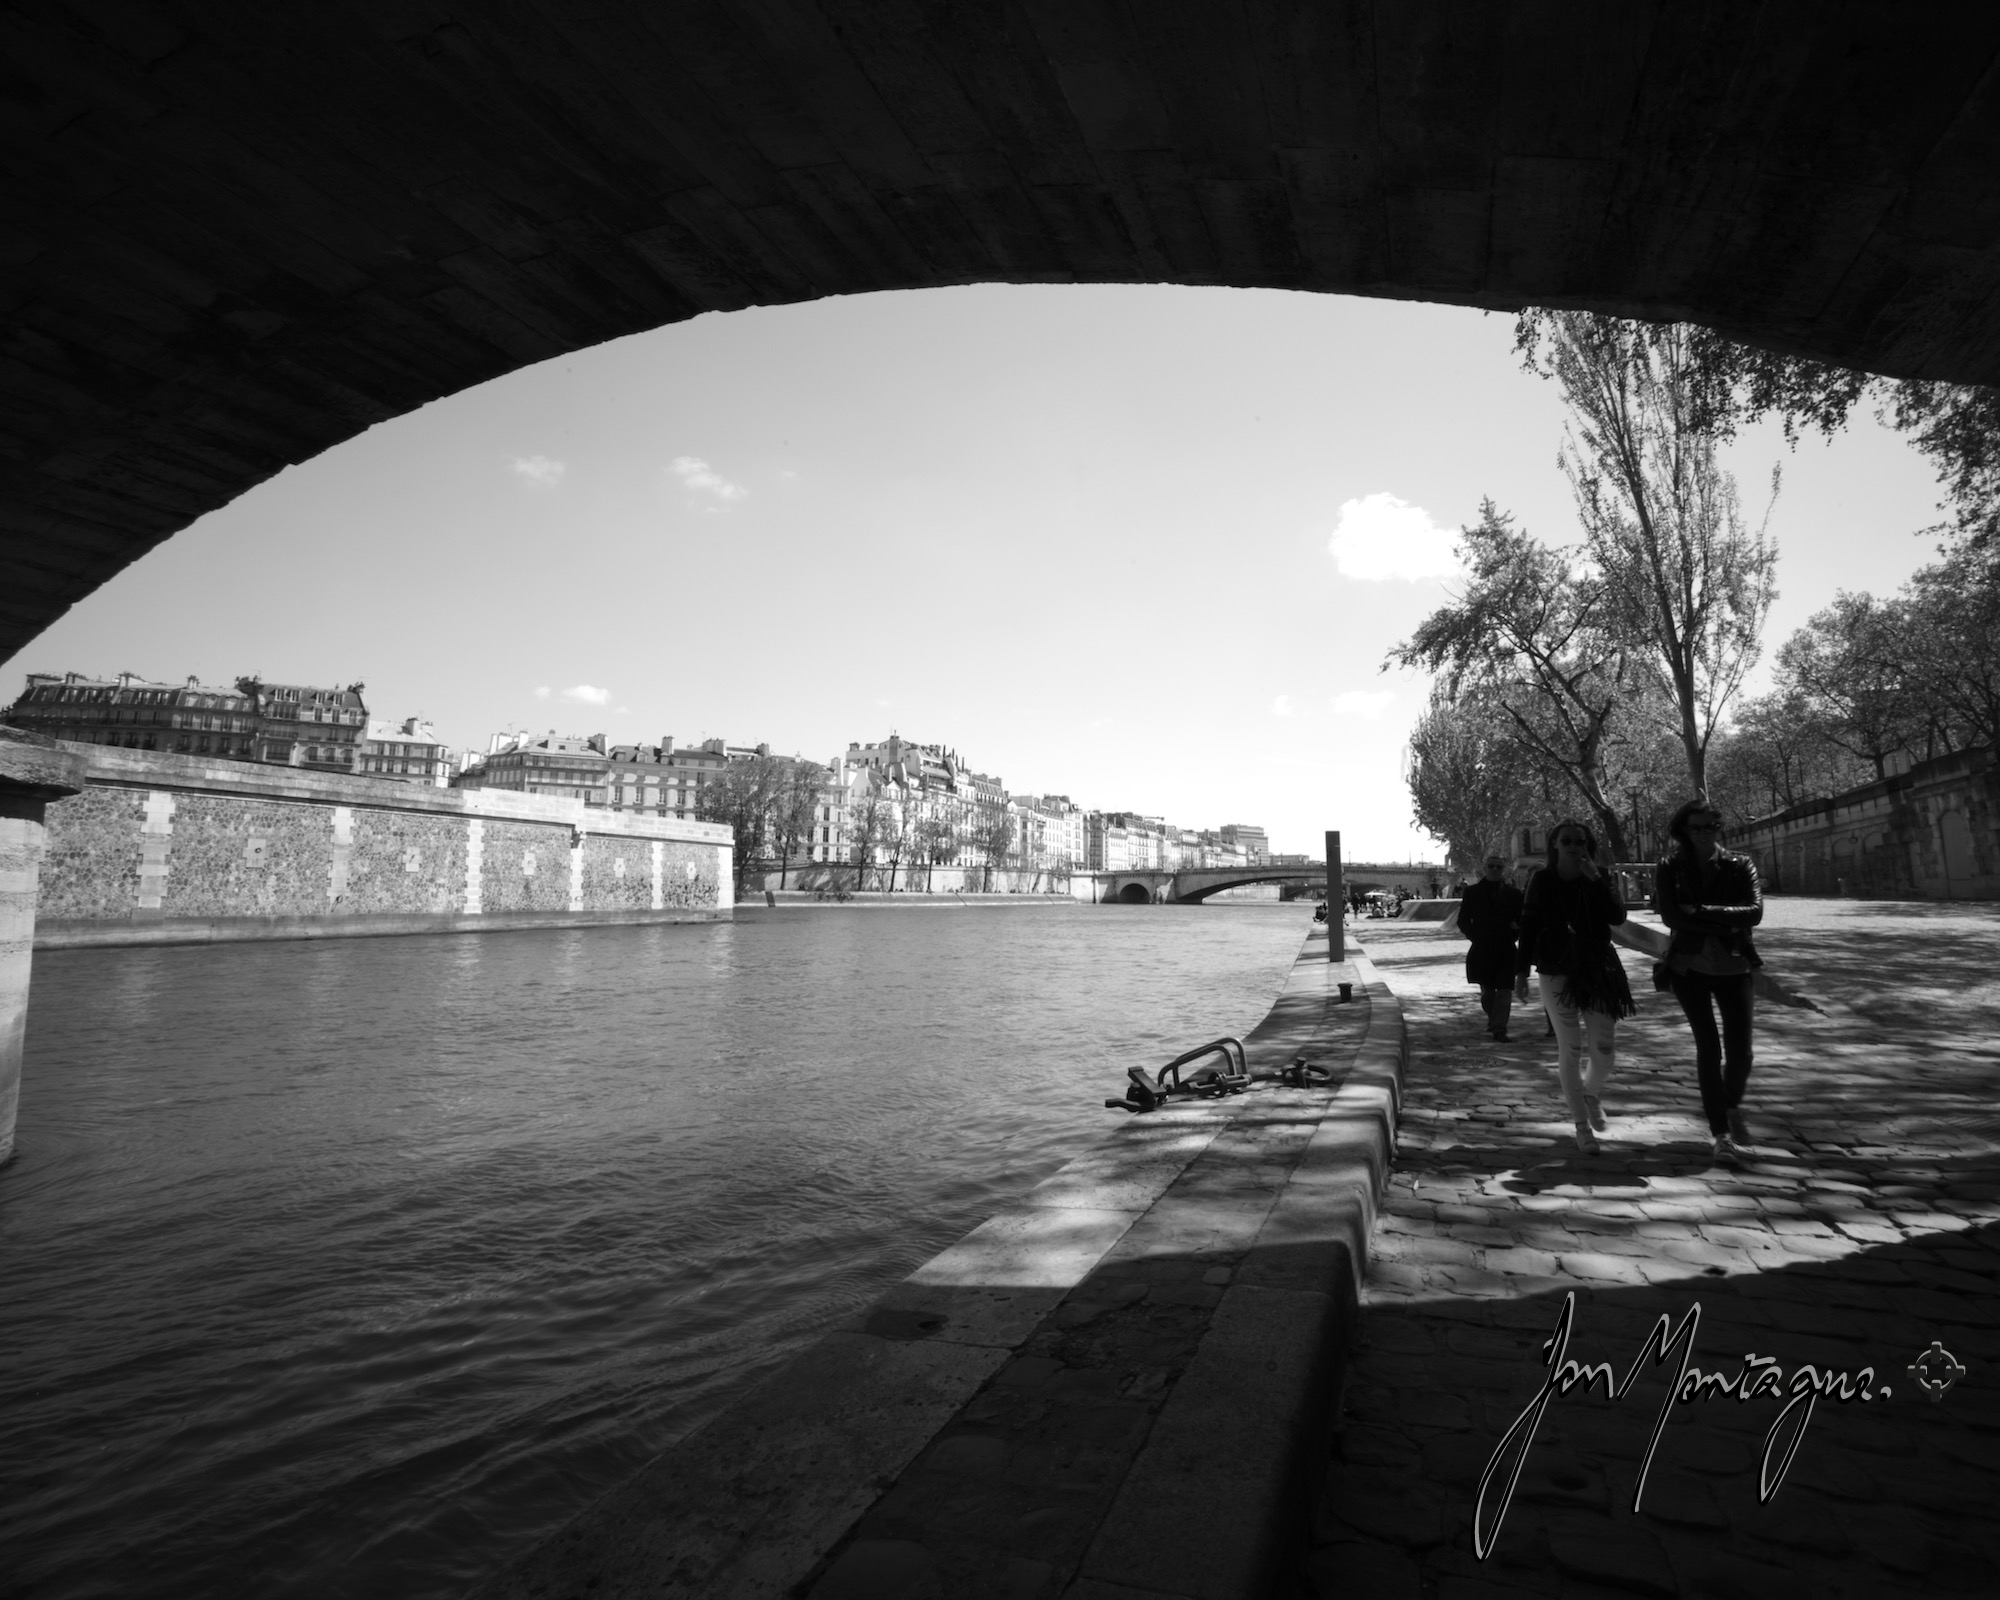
x,y
353,1268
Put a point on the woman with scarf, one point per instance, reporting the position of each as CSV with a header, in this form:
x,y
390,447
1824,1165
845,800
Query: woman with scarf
x,y
1566,923
1711,900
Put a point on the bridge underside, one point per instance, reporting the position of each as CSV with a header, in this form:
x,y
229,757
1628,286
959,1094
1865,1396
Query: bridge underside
x,y
239,234
1197,888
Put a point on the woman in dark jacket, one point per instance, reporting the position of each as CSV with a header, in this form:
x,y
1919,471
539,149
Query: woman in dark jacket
x,y
1489,913
1711,900
1566,921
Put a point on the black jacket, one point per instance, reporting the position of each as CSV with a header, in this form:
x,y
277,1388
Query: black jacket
x,y
1488,915
1555,909
1732,905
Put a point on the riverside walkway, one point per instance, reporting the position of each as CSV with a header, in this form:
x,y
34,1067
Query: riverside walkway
x,y
1863,1224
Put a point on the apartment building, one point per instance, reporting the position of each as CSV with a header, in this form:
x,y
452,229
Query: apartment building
x,y
404,752
133,713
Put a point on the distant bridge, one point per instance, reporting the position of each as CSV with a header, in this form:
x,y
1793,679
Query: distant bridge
x,y
1192,885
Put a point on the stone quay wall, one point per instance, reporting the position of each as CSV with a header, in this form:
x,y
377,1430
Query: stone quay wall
x,y
1931,833
162,848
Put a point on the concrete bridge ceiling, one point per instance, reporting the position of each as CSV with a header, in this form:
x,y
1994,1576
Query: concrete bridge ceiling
x,y
233,235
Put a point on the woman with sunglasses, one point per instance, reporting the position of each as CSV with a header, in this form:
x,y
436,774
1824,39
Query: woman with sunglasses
x,y
1566,924
1711,900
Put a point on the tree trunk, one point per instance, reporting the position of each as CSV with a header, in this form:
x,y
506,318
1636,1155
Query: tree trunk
x,y
1691,742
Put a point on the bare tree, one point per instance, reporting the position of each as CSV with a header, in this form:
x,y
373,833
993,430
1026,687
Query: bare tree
x,y
936,843
867,822
1685,578
899,834
995,838
800,794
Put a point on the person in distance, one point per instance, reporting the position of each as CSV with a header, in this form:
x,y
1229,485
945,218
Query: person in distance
x,y
1489,914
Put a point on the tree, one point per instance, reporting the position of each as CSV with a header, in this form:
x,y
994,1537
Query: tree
x,y
796,808
1952,634
1684,579
867,822
1955,426
1534,636
995,839
935,842
743,795
898,832
1470,779
1774,756
1849,668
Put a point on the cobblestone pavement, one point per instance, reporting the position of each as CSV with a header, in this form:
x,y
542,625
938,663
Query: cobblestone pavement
x,y
1863,1224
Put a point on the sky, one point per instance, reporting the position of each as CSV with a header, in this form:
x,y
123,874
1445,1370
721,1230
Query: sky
x,y
1143,546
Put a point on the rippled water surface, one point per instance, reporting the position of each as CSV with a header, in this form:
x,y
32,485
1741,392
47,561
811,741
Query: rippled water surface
x,y
354,1268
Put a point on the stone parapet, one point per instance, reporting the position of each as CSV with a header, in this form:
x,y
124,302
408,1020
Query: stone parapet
x,y
106,767
35,770
160,848
1932,832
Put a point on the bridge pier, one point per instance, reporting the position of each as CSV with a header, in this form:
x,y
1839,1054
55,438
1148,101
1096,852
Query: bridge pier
x,y
33,771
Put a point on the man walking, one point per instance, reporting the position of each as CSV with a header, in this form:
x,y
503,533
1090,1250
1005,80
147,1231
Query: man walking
x,y
1490,916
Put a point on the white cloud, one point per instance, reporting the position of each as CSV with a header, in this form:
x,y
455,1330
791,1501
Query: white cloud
x,y
699,476
1369,703
1380,537
1283,707
587,695
540,470
542,693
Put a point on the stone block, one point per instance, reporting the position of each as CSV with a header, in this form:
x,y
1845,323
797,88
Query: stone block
x,y
1027,1249
755,1498
1256,1391
1539,1263
958,1314
1596,1267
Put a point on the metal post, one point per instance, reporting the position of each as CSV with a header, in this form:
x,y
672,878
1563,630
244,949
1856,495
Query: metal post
x,y
1336,904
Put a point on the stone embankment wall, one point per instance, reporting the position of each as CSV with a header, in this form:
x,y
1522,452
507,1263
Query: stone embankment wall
x,y
1930,833
163,848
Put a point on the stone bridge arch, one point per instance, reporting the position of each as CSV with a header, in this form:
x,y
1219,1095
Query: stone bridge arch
x,y
242,234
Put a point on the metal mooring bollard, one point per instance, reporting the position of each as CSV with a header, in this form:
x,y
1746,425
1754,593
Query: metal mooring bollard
x,y
1346,993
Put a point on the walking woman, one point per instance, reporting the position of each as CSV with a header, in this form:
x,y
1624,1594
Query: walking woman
x,y
1566,922
1489,914
1711,900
